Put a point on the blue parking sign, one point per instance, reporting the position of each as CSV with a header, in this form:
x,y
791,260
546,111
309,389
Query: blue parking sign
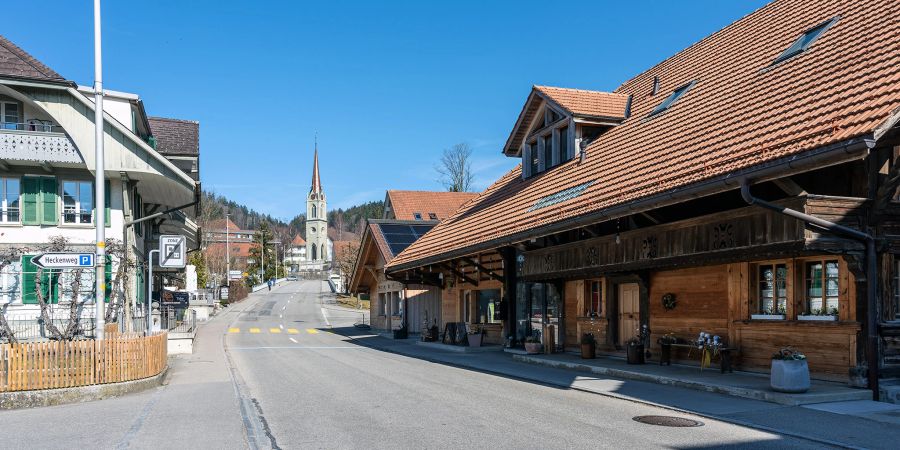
x,y
85,260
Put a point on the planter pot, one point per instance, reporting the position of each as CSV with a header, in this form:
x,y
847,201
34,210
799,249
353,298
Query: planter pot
x,y
533,348
818,318
588,351
635,354
475,340
665,354
767,316
790,376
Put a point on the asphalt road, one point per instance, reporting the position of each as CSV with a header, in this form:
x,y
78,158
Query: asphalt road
x,y
268,372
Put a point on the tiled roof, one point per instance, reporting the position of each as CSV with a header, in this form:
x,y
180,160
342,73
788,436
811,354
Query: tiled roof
x,y
176,136
238,249
741,113
17,63
298,241
584,103
220,224
442,204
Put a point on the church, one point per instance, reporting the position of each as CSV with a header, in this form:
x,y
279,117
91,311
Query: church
x,y
315,252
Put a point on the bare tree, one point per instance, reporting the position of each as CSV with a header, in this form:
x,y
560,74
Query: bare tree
x,y
6,258
455,168
345,259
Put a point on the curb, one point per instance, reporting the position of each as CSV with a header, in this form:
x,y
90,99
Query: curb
x,y
80,394
612,395
748,393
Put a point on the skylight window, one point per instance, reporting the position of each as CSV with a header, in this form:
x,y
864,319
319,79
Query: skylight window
x,y
671,99
561,196
417,216
805,41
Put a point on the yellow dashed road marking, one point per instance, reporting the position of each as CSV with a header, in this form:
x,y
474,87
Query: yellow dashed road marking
x,y
274,330
234,330
254,331
312,331
293,331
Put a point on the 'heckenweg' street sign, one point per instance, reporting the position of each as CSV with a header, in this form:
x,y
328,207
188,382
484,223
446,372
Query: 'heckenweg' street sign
x,y
63,260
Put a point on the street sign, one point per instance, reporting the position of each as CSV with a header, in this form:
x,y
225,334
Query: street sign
x,y
172,251
235,275
63,260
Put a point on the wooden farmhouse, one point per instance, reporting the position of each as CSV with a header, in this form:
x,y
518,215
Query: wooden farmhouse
x,y
746,187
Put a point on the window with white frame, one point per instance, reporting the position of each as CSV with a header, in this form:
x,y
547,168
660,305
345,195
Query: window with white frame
x,y
772,289
822,287
86,283
10,191
78,202
10,115
10,282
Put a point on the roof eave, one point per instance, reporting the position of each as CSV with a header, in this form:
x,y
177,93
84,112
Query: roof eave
x,y
848,150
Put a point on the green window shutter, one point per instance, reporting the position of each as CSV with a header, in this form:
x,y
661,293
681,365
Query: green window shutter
x,y
29,271
106,192
31,193
49,201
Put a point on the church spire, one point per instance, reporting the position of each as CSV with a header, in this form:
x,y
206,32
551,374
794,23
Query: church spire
x,y
316,183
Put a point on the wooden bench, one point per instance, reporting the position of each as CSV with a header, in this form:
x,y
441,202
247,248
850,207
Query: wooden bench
x,y
724,355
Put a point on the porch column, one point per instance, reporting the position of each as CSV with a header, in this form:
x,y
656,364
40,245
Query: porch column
x,y
510,283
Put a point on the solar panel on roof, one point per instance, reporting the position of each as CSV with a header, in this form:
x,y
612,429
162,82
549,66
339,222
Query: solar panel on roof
x,y
399,236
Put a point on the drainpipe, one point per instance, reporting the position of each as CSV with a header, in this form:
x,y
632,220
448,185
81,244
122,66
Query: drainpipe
x,y
871,272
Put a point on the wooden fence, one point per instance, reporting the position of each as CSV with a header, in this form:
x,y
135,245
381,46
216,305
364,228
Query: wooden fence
x,y
61,364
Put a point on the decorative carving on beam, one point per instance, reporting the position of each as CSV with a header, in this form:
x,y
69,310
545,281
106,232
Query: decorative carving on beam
x,y
461,275
484,269
722,236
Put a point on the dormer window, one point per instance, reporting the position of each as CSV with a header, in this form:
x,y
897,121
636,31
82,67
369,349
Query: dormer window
x,y
432,216
670,100
805,41
417,216
548,141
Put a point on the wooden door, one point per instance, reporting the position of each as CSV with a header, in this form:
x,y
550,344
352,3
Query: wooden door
x,y
629,311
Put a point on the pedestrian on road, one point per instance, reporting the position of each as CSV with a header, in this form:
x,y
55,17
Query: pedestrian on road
x,y
269,282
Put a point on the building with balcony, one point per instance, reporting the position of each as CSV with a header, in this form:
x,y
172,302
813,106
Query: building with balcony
x,y
47,168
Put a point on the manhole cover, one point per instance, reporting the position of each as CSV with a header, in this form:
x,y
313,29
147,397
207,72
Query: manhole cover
x,y
668,421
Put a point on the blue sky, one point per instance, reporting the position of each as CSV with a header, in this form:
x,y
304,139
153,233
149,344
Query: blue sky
x,y
387,85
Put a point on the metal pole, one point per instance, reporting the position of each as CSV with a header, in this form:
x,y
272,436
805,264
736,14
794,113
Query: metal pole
x,y
227,254
99,182
150,284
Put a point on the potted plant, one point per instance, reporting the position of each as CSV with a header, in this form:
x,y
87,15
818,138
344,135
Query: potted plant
x,y
790,372
533,344
771,313
475,335
588,346
635,350
665,346
821,314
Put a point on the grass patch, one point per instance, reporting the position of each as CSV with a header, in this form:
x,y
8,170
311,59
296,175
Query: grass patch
x,y
353,302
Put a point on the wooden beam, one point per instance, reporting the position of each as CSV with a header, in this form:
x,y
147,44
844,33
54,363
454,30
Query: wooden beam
x,y
789,186
889,188
649,217
484,269
460,274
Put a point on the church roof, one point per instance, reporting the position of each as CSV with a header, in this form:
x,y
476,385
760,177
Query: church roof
x,y
316,182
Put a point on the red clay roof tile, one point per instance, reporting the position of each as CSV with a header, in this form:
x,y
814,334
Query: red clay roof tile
x,y
742,112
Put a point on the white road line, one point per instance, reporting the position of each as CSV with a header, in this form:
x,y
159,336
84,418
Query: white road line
x,y
281,326
281,316
293,347
325,316
293,340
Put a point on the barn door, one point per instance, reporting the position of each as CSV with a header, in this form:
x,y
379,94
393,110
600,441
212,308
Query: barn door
x,y
629,311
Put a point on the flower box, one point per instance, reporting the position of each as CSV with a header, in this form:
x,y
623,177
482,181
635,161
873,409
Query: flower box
x,y
767,316
817,318
475,339
791,376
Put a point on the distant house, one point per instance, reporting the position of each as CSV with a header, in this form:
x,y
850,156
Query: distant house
x,y
295,254
47,182
409,215
423,205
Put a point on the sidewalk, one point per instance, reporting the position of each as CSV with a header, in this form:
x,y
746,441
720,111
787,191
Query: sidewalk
x,y
831,423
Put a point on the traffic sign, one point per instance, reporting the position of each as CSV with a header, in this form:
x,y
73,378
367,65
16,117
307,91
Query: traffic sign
x,y
63,260
172,251
235,275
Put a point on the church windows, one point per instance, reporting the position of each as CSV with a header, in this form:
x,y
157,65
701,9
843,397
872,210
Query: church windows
x,y
313,213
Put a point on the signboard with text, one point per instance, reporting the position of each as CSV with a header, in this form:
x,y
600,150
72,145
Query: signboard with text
x,y
63,260
172,251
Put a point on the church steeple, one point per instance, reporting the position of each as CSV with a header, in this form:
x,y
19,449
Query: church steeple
x,y
316,183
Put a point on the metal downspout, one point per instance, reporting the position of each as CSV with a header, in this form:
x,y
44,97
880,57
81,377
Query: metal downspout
x,y
871,273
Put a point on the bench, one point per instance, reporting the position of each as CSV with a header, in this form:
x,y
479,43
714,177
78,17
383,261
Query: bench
x,y
723,352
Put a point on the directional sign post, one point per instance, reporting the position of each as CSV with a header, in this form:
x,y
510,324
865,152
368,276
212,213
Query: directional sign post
x,y
63,260
172,251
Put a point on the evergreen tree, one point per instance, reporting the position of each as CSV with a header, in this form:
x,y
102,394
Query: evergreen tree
x,y
199,261
262,248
